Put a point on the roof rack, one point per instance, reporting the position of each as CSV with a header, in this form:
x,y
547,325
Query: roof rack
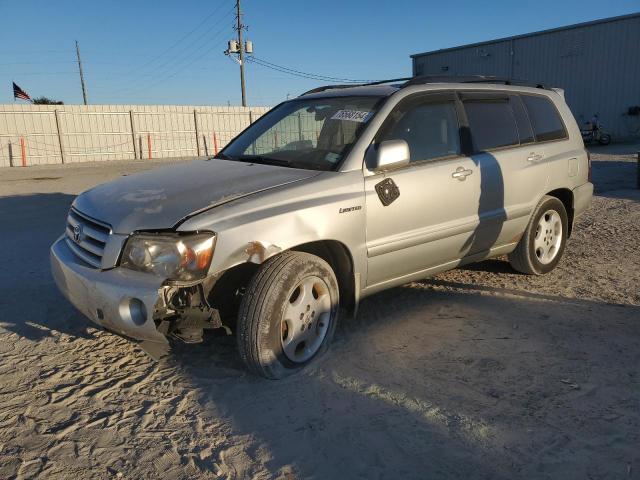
x,y
331,87
349,85
471,79
423,79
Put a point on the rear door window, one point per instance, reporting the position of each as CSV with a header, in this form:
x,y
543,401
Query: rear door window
x,y
492,123
545,119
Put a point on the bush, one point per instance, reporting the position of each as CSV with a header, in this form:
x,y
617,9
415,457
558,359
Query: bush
x,y
46,101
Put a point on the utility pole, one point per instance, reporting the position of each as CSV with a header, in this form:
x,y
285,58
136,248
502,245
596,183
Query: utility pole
x,y
84,90
241,45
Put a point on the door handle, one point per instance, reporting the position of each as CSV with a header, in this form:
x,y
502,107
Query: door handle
x,y
534,157
461,173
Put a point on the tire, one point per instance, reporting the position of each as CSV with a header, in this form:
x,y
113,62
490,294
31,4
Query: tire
x,y
605,139
288,314
543,242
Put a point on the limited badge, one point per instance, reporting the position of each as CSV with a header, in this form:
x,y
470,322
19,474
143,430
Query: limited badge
x,y
388,191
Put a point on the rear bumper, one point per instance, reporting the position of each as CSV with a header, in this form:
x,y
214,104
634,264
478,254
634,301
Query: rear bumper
x,y
582,197
120,300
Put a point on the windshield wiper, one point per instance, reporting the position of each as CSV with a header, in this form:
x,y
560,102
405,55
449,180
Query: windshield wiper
x,y
221,156
263,159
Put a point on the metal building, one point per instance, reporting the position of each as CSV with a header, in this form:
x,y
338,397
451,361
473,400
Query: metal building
x,y
596,63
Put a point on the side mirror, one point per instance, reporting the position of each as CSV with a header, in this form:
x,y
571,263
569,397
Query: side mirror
x,y
390,154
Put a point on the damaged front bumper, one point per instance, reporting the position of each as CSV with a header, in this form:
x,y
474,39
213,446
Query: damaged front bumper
x,y
121,300
135,304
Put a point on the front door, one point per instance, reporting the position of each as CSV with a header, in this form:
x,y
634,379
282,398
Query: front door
x,y
422,215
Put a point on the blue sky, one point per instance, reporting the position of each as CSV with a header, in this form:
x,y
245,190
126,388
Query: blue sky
x,y
170,52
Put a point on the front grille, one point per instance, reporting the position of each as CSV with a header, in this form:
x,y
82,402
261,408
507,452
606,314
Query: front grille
x,y
87,237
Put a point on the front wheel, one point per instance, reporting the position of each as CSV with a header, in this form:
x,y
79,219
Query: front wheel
x,y
288,314
544,240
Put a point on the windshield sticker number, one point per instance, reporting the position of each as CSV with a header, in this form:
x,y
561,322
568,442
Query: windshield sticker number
x,y
352,115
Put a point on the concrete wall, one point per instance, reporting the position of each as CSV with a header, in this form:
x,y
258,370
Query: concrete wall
x,y
77,133
596,63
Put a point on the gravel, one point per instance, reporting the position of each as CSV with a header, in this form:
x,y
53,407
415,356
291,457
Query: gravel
x,y
479,372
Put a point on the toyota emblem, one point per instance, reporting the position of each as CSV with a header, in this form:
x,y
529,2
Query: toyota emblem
x,y
77,233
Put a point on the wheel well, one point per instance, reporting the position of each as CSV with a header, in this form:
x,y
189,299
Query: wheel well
x,y
566,197
337,255
226,292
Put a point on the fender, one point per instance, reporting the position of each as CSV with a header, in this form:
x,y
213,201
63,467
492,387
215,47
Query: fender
x,y
330,206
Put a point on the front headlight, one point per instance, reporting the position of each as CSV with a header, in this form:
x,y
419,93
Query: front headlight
x,y
171,256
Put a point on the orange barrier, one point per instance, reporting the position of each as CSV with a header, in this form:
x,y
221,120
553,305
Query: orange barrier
x,y
24,152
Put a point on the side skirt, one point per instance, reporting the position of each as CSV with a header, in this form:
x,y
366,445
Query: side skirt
x,y
419,275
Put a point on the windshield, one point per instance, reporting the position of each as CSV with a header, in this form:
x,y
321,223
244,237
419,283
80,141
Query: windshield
x,y
313,133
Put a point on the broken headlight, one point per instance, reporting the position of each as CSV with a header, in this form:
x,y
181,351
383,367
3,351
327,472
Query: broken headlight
x,y
171,256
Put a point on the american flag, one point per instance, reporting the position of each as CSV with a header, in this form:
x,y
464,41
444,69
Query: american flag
x,y
19,93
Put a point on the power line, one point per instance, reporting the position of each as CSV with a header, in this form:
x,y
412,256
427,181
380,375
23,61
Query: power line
x,y
23,52
308,75
35,63
180,68
27,74
298,73
195,41
181,59
184,36
177,60
48,62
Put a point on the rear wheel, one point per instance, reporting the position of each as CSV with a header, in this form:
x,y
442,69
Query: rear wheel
x,y
288,314
543,242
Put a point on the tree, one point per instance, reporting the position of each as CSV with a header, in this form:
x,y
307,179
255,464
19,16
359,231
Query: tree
x,y
46,101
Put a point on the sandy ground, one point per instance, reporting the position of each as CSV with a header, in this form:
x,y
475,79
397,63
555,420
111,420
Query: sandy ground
x,y
476,373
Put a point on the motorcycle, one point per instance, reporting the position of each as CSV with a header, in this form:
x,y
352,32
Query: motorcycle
x,y
591,134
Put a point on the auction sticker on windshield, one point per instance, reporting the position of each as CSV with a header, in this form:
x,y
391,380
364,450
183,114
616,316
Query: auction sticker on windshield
x,y
352,115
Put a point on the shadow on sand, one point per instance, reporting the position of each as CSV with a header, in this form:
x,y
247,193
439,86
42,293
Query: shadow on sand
x,y
430,380
29,294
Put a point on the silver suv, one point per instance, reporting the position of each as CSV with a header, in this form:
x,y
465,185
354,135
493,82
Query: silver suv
x,y
326,199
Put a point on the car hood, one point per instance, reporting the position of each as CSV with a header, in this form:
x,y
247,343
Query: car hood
x,y
159,199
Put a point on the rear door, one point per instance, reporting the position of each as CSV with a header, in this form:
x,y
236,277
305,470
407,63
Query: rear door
x,y
512,168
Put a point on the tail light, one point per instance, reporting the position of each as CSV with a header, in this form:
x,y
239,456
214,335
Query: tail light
x,y
589,165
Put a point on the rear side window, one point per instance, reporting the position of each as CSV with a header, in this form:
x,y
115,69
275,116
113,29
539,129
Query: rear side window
x,y
545,119
522,120
430,129
492,123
